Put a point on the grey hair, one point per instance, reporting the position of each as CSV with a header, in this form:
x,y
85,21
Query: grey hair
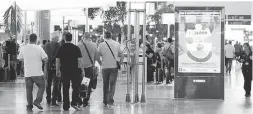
x,y
55,36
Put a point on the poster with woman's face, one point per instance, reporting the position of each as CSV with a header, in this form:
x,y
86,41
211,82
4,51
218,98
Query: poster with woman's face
x,y
199,39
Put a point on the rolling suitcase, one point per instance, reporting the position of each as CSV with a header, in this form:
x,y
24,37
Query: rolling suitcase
x,y
6,76
83,91
1,74
159,75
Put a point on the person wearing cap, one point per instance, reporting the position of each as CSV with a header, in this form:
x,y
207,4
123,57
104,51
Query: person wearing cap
x,y
51,49
89,56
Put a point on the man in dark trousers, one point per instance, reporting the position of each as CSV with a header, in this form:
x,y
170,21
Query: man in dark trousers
x,y
59,98
110,52
68,65
51,49
90,55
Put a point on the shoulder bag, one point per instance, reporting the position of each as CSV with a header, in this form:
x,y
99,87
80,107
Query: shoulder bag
x,y
118,64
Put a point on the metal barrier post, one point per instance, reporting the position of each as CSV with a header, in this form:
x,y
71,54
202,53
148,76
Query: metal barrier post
x,y
137,17
128,98
129,33
143,95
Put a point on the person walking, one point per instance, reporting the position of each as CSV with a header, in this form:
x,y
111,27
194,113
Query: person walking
x,y
238,51
246,59
89,56
51,49
109,51
33,55
167,50
59,98
229,55
69,66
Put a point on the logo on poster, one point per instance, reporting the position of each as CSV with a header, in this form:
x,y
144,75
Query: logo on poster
x,y
198,32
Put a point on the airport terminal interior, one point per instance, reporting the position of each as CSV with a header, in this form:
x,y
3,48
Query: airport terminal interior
x,y
160,100
196,85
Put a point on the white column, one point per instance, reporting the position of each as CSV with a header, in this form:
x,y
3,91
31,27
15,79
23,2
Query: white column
x,y
87,20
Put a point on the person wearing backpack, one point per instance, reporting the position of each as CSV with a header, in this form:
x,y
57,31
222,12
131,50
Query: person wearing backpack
x,y
168,56
51,49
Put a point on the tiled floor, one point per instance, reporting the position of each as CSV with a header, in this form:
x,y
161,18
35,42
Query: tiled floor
x,y
159,100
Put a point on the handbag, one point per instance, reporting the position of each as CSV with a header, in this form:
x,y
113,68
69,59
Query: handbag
x,y
95,74
118,64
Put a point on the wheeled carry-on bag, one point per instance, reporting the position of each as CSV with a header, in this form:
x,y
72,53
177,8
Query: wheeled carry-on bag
x,y
83,91
5,75
159,75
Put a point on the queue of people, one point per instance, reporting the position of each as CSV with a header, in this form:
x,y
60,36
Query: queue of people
x,y
66,64
160,61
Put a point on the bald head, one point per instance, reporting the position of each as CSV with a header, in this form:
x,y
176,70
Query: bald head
x,y
86,35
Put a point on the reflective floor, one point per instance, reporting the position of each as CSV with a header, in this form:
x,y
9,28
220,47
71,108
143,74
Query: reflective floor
x,y
159,100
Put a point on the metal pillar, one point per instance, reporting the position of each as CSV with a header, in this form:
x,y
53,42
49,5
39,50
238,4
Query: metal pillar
x,y
25,29
87,20
129,33
136,33
143,94
63,23
128,98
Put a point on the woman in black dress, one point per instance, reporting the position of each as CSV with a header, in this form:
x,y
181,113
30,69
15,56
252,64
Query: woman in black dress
x,y
246,59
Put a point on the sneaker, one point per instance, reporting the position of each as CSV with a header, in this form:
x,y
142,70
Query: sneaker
x,y
48,102
55,104
85,104
75,107
65,109
247,94
110,106
29,108
38,106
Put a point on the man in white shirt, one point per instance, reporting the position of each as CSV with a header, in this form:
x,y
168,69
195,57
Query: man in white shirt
x,y
229,55
33,55
109,67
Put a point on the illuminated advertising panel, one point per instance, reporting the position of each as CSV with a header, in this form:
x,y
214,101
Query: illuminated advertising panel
x,y
199,41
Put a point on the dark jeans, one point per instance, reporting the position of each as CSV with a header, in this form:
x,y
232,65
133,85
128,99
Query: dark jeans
x,y
59,95
109,82
40,82
52,78
228,63
168,74
247,74
150,72
75,80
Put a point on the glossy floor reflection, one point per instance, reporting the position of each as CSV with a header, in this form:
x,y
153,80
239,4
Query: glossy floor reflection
x,y
159,100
